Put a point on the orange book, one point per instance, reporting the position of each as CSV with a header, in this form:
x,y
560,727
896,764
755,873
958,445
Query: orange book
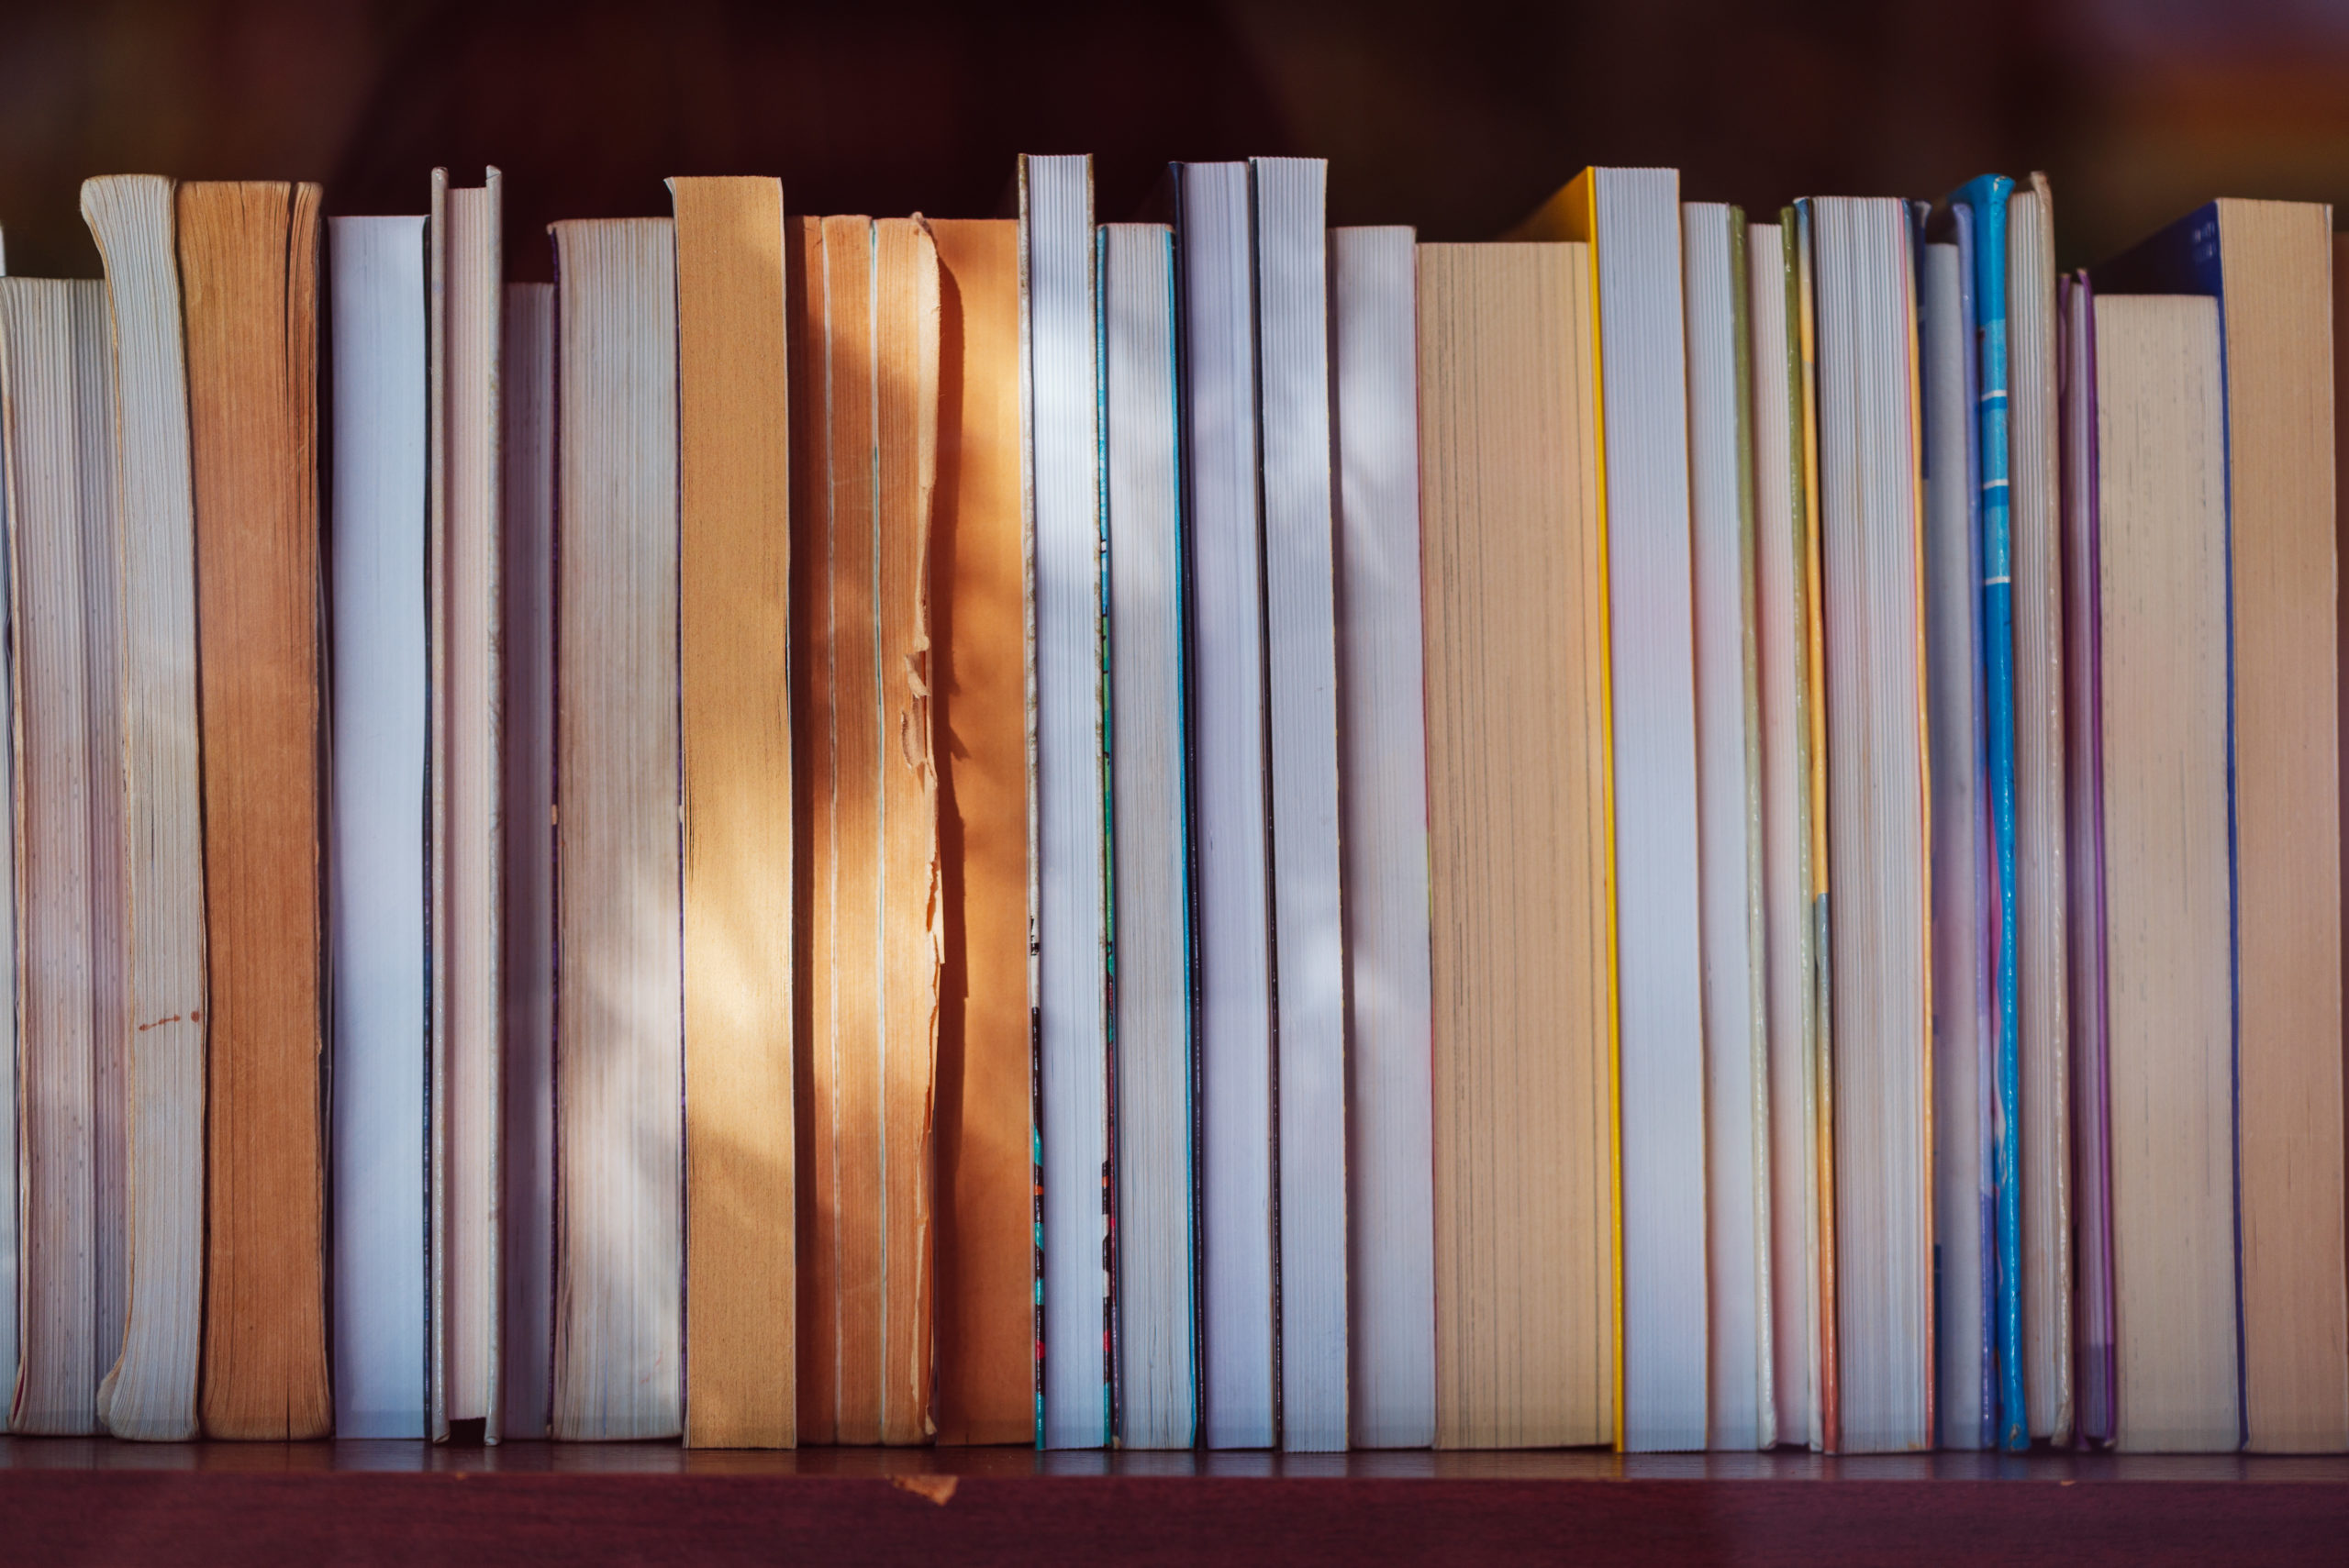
x,y
865,311
734,567
248,267
986,1252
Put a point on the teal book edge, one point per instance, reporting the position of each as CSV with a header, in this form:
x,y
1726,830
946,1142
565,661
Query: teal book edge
x,y
1985,200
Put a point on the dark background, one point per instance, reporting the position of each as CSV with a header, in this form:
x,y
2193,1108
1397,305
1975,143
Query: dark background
x,y
1455,116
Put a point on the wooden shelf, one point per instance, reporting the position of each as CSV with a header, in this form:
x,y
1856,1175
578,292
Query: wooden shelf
x,y
79,1501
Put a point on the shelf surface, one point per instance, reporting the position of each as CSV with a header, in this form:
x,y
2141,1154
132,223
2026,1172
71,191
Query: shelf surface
x,y
67,1500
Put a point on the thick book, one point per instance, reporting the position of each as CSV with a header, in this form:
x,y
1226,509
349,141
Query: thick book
x,y
1150,901
985,1315
1222,482
249,272
2268,264
2166,712
1076,1270
734,590
526,925
1289,199
1382,687
867,392
1783,597
462,558
1870,510
67,826
2033,498
2084,866
1965,1255
619,1004
1729,818
150,1392
1523,1131
1630,219
378,865
1986,201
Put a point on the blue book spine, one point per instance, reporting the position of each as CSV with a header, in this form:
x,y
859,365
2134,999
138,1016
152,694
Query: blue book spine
x,y
1985,199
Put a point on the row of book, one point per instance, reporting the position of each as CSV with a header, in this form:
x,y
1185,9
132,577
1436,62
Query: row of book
x,y
1675,832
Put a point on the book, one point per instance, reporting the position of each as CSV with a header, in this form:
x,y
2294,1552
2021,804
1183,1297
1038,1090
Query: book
x,y
1238,1336
1870,505
1987,201
249,255
1288,202
1783,596
2163,618
869,389
2083,863
1743,1402
379,867
1630,219
986,1245
151,1391
619,1050
2034,500
1381,689
1150,926
526,925
1523,1108
70,988
11,1321
1075,1273
1966,1256
734,604
467,264
2267,262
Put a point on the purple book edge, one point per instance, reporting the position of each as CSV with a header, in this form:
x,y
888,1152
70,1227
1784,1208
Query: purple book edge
x,y
2091,1109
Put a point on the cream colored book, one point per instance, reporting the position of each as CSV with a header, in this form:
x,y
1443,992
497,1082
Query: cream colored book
x,y
150,1392
70,892
2162,493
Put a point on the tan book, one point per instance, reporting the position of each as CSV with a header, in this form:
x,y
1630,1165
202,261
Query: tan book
x,y
2269,264
734,584
150,1392
619,1048
1517,682
248,274
70,988
2162,516
987,1242
868,377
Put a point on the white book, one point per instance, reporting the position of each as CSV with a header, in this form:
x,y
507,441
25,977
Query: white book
x,y
1391,1164
526,973
1783,645
1059,294
1870,509
1729,821
1237,1334
467,299
377,864
1956,727
1149,817
1290,197
619,1040
1643,399
67,892
150,1392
